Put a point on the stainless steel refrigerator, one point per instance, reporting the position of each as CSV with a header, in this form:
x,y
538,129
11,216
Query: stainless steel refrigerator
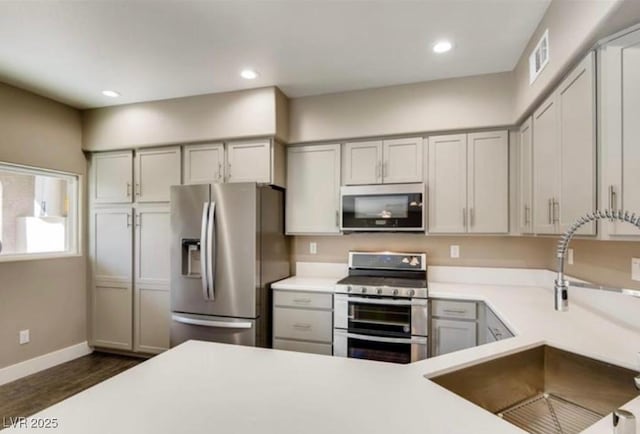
x,y
227,247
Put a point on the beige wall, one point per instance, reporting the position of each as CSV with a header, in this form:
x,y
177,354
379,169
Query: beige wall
x,y
46,296
246,113
441,105
572,28
597,261
514,252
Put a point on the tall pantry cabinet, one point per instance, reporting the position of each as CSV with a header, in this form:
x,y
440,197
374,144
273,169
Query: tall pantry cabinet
x,y
129,247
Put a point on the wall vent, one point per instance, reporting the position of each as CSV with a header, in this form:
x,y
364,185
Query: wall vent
x,y
539,57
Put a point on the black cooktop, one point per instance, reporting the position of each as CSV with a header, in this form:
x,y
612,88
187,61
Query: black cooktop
x,y
400,282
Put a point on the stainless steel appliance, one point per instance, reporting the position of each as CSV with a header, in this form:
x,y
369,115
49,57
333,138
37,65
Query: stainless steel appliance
x,y
393,207
227,246
380,309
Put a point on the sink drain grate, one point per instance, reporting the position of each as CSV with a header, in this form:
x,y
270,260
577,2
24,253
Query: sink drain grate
x,y
549,414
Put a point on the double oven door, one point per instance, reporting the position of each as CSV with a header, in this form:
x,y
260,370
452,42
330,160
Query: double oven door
x,y
380,328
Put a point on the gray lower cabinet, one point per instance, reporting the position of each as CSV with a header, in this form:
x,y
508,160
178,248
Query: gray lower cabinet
x,y
454,326
457,325
303,321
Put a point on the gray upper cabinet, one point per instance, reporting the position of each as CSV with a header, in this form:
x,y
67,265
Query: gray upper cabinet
x,y
203,164
112,177
313,192
383,161
620,130
525,178
469,183
155,170
564,153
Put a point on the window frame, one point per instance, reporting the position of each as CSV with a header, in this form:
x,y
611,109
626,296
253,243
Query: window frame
x,y
74,229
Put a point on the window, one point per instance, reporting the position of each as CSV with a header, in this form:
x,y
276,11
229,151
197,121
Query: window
x,y
38,213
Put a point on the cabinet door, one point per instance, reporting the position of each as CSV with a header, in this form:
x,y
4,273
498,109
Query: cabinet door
x,y
488,182
451,335
155,171
313,189
546,167
152,319
110,244
362,163
152,245
203,164
402,160
577,117
525,177
249,161
111,177
112,320
447,188
110,254
620,102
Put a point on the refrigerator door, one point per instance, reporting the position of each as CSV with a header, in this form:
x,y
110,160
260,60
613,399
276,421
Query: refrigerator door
x,y
213,329
235,251
189,211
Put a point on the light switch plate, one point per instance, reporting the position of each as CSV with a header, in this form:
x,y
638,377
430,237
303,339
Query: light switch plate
x,y
454,251
24,337
313,248
635,269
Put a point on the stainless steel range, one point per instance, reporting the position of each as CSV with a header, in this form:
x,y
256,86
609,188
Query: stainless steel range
x,y
380,310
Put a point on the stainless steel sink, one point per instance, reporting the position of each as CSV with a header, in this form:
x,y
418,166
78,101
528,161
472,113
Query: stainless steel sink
x,y
544,389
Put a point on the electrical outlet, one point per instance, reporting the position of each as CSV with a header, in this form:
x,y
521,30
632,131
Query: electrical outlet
x,y
570,257
24,337
454,251
635,269
313,248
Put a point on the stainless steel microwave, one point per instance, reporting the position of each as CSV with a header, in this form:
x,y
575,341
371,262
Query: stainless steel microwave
x,y
392,207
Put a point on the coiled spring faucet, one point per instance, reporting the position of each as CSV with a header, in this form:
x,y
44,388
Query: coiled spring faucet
x,y
561,286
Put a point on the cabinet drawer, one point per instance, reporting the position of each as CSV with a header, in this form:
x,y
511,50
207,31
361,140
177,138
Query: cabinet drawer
x,y
496,328
306,325
454,309
303,347
302,299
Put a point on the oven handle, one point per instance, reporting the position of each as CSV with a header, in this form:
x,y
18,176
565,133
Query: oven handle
x,y
412,340
387,301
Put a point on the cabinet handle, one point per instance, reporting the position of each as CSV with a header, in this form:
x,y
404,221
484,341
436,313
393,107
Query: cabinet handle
x,y
549,205
128,220
464,217
526,215
219,171
228,171
613,199
556,211
456,311
137,220
138,189
301,326
384,169
128,189
472,216
337,219
302,300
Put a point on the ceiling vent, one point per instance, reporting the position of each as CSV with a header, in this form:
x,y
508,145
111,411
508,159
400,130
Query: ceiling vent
x,y
539,58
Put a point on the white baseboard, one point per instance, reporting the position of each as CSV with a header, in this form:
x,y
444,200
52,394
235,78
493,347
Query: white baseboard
x,y
40,363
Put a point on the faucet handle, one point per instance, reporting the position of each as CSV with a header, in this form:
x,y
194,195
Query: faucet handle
x,y
624,422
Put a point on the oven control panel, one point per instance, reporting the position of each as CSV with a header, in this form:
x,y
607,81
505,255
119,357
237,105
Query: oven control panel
x,y
383,291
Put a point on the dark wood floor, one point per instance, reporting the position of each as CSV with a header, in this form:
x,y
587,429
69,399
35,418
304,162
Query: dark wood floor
x,y
36,392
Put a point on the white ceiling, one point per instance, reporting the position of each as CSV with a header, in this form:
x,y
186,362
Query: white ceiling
x,y
149,50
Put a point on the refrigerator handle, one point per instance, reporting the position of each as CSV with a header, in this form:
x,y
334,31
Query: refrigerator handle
x,y
203,252
211,250
212,323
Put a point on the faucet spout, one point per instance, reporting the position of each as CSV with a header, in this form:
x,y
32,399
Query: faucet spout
x,y
561,285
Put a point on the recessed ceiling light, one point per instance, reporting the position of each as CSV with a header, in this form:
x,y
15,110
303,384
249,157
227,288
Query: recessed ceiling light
x,y
442,47
248,74
111,93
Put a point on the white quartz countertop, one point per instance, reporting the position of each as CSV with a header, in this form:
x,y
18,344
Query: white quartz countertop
x,y
304,283
201,387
